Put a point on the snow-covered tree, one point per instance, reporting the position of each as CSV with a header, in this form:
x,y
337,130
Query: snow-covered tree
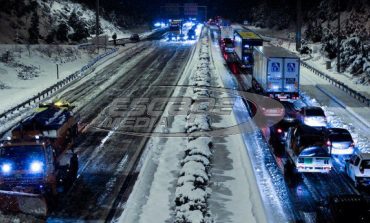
x,y
329,44
33,31
314,31
62,32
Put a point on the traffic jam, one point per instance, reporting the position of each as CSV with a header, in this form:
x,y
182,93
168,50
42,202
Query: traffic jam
x,y
303,144
39,163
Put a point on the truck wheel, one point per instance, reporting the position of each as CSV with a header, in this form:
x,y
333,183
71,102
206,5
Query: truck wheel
x,y
51,197
291,176
70,173
73,167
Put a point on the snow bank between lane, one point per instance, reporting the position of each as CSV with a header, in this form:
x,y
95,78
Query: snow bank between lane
x,y
192,189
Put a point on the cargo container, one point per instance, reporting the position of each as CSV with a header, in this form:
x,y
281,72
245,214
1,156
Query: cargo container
x,y
276,72
226,32
244,43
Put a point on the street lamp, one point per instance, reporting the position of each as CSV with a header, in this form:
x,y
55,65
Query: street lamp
x,y
338,38
97,25
298,35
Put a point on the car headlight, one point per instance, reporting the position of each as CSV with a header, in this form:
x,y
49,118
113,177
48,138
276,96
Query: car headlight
x,y
6,168
36,166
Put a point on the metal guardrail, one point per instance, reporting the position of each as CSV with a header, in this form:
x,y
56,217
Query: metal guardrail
x,y
360,97
60,84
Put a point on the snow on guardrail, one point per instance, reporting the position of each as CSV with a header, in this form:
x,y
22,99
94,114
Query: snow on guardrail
x,y
60,84
355,94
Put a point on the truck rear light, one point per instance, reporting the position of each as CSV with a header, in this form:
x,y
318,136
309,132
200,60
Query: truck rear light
x,y
328,143
295,96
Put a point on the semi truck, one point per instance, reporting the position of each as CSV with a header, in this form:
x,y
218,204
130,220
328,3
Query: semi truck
x,y
276,73
38,161
175,30
226,32
244,43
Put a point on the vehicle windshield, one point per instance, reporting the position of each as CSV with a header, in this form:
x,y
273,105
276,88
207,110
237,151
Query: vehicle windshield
x,y
314,152
314,112
340,137
21,155
229,45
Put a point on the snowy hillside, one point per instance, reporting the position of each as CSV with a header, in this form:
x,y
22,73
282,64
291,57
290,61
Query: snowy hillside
x,y
63,9
49,21
26,71
354,36
319,31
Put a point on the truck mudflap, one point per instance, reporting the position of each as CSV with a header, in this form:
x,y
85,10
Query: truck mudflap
x,y
27,203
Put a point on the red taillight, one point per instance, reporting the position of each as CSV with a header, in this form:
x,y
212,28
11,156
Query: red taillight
x,y
328,143
295,96
279,130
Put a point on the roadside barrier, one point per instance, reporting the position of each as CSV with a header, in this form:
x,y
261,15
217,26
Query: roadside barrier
x,y
60,84
353,93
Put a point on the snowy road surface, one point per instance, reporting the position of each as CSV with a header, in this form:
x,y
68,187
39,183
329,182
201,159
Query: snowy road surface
x,y
297,202
107,159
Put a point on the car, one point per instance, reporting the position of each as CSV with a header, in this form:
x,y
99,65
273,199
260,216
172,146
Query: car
x,y
306,147
182,37
228,45
313,116
290,120
340,142
191,34
135,37
278,134
298,105
357,169
291,113
171,36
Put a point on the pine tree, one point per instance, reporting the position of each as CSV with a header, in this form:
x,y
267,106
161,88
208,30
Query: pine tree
x,y
79,27
73,19
329,44
62,32
33,31
50,37
114,37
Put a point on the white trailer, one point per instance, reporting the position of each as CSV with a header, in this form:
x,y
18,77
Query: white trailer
x,y
227,32
276,72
